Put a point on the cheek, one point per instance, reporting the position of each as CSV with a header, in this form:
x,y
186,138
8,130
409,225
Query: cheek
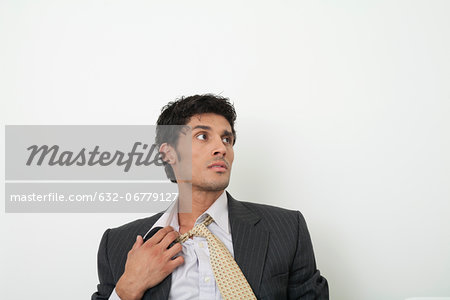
x,y
197,162
231,155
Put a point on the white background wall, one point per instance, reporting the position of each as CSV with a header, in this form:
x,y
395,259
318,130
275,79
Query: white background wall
x,y
343,113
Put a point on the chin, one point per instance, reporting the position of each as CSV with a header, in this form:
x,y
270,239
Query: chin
x,y
213,186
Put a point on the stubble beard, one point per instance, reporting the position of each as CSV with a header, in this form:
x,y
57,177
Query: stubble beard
x,y
212,186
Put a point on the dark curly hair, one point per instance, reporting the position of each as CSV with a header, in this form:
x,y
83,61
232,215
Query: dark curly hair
x,y
180,111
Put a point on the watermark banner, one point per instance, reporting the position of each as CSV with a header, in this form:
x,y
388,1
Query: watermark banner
x,y
98,168
89,197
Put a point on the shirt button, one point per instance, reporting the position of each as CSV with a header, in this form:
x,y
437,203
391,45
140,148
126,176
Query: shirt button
x,y
207,279
201,245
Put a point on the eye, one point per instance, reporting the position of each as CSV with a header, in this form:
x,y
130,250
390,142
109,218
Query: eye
x,y
201,136
227,140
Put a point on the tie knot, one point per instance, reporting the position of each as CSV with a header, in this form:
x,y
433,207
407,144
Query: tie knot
x,y
198,229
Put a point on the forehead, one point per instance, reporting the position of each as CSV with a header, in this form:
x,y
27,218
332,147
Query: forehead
x,y
212,120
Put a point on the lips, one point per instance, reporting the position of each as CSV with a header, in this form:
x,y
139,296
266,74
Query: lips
x,y
218,166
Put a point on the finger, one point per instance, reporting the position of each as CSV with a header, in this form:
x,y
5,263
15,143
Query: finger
x,y
168,239
174,250
139,241
174,263
159,235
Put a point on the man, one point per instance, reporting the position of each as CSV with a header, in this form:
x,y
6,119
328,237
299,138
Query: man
x,y
270,245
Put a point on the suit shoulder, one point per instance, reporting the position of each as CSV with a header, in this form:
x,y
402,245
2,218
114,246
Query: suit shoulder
x,y
270,210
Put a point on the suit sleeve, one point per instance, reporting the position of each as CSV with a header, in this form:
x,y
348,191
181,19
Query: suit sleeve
x,y
107,284
305,281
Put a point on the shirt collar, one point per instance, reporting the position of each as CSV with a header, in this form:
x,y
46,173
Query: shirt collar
x,y
218,211
169,217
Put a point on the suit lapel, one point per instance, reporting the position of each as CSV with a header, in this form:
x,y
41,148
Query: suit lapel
x,y
160,291
249,242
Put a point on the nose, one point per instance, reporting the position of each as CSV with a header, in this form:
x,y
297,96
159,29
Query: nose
x,y
219,148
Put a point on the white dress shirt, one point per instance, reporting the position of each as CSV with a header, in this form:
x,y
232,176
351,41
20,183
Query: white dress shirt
x,y
195,278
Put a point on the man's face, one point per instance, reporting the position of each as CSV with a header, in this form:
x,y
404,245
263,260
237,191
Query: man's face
x,y
212,151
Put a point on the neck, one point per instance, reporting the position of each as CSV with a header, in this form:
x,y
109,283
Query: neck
x,y
201,201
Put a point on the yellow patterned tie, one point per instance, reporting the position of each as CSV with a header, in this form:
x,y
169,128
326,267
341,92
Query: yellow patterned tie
x,y
231,281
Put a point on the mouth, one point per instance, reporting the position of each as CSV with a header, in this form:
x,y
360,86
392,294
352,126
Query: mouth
x,y
219,166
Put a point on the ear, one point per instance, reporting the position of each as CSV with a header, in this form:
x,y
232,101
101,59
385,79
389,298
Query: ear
x,y
167,153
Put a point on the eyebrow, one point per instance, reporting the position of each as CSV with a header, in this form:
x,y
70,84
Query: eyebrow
x,y
204,127
226,132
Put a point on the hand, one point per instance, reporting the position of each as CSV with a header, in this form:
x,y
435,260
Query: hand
x,y
149,263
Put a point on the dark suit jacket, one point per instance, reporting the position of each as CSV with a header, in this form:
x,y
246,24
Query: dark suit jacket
x,y
271,245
